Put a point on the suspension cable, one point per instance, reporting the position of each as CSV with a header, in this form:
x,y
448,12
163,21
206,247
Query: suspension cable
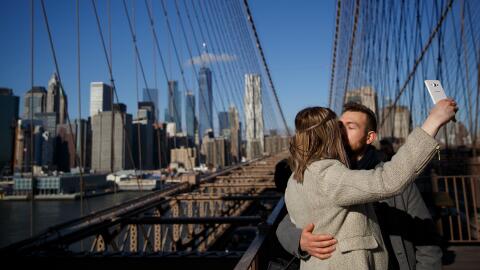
x,y
267,70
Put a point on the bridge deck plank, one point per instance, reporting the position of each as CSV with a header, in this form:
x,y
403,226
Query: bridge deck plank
x,y
466,258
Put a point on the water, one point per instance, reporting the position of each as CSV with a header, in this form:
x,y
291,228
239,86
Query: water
x,y
15,215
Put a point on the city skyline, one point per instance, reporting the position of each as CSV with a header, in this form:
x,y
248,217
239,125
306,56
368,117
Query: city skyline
x,y
182,127
111,139
288,71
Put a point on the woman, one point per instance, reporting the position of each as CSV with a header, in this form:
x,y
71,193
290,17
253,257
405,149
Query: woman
x,y
324,191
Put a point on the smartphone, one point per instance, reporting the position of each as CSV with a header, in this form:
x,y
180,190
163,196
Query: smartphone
x,y
436,91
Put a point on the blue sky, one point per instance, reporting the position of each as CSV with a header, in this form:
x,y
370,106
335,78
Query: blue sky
x,y
296,37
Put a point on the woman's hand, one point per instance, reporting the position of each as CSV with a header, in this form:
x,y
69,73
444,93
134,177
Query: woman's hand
x,y
442,113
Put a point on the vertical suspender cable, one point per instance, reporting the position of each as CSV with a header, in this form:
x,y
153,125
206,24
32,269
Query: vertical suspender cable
x,y
264,61
32,182
334,52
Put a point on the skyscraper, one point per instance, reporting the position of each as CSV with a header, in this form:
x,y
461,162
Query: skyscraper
x,y
205,100
56,99
161,151
36,99
215,151
253,116
365,96
23,145
223,123
65,154
147,109
235,134
100,98
8,120
455,134
190,114
49,122
104,158
275,144
49,126
151,94
142,135
398,123
185,157
167,116
222,153
175,104
29,146
83,144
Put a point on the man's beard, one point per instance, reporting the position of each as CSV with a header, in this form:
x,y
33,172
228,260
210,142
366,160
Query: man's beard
x,y
354,154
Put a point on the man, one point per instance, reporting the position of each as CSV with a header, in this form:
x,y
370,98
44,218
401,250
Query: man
x,y
406,225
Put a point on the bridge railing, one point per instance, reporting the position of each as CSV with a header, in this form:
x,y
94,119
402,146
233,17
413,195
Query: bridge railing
x,y
191,216
457,196
458,199
257,255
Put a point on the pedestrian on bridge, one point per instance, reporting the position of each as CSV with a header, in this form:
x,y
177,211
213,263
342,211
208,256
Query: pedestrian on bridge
x,y
325,191
414,248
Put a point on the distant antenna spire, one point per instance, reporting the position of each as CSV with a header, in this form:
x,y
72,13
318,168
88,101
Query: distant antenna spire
x,y
204,54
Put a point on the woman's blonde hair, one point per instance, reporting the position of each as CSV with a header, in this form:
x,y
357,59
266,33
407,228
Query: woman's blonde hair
x,y
318,135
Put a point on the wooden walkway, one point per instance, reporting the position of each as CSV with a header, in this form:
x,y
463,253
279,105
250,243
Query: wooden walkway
x,y
465,258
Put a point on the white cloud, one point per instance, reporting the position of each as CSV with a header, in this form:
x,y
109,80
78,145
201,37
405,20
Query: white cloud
x,y
207,58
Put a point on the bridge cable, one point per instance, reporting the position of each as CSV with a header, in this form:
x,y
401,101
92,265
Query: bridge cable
x,y
32,70
114,89
334,51
419,59
252,52
260,50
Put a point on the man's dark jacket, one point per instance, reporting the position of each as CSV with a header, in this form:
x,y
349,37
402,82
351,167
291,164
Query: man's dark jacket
x,y
406,225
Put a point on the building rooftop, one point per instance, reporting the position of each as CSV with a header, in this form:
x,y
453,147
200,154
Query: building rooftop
x,y
5,91
38,89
